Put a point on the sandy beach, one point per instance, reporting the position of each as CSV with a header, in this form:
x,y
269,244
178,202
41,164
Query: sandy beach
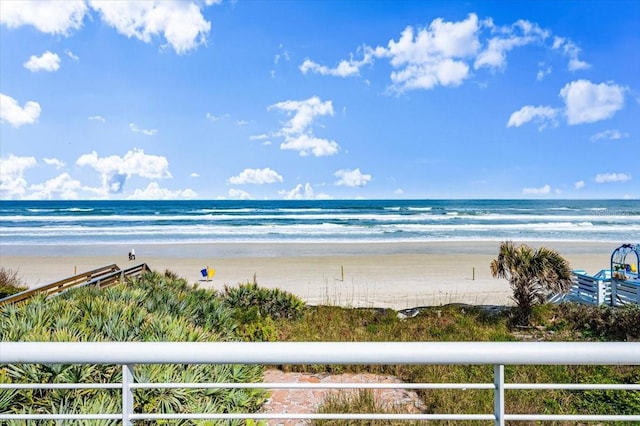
x,y
391,275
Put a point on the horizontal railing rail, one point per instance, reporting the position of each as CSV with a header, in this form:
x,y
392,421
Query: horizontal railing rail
x,y
102,277
117,277
354,353
497,354
600,289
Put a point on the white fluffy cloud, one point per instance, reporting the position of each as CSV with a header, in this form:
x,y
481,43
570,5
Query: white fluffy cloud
x,y
300,192
432,56
579,184
443,53
52,17
48,61
58,164
97,118
304,112
587,102
115,170
12,181
442,39
14,114
422,58
546,189
306,144
345,68
352,178
60,187
149,132
257,176
543,115
612,177
238,194
570,49
519,34
153,191
180,23
298,133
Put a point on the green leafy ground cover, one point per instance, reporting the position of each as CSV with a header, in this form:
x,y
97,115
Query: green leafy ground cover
x,y
163,307
155,307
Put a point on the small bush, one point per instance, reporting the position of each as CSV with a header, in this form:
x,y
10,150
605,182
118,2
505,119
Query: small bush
x,y
273,303
255,310
602,322
151,308
252,327
10,283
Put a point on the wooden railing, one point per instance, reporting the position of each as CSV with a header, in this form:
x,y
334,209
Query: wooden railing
x,y
101,277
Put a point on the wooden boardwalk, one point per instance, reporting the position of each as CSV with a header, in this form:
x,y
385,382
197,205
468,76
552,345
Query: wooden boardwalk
x,y
102,277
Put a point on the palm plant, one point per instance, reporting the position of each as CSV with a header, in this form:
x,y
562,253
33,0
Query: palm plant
x,y
533,275
154,307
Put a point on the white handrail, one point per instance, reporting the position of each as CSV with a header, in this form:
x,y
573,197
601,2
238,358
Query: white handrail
x,y
276,353
498,354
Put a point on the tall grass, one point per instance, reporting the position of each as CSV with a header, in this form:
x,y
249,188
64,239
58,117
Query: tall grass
x,y
465,323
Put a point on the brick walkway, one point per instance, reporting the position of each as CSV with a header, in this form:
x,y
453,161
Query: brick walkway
x,y
308,400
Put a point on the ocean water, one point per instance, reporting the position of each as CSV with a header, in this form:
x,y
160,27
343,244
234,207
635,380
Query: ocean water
x,y
163,222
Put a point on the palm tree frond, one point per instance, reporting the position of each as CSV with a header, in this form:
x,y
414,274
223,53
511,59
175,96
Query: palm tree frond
x,y
532,274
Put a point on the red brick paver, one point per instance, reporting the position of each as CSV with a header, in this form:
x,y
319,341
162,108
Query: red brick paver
x,y
305,401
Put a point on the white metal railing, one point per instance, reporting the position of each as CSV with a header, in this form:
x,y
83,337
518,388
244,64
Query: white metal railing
x,y
497,354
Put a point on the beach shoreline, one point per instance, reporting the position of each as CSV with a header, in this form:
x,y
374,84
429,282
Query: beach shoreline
x,y
396,275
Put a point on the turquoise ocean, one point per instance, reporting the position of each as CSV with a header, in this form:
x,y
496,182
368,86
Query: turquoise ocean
x,y
362,221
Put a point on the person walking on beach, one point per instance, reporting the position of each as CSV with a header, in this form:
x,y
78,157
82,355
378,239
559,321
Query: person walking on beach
x,y
132,254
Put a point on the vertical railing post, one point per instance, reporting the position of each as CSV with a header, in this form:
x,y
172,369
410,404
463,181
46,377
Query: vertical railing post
x,y
127,394
602,291
498,394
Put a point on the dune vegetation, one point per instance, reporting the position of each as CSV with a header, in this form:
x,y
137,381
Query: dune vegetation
x,y
155,307
10,282
163,307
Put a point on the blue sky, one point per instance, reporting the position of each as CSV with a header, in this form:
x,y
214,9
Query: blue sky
x,y
319,99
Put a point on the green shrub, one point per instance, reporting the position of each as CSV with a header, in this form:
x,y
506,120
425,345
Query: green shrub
x,y
256,308
602,322
153,307
273,303
10,283
252,327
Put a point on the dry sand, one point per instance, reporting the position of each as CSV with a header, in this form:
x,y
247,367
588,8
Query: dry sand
x,y
393,275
